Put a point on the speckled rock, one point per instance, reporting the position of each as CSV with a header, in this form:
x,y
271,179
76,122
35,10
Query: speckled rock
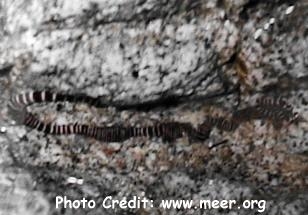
x,y
138,51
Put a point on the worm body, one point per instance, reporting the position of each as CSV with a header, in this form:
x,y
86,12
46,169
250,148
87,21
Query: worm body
x,y
21,100
167,131
266,108
276,110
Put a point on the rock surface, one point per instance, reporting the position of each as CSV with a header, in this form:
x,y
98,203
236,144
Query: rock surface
x,y
131,52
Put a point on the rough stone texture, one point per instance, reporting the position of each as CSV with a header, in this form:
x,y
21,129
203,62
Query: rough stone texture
x,y
136,51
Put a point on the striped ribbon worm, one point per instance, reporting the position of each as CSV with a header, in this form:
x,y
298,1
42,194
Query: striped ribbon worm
x,y
275,110
167,131
21,100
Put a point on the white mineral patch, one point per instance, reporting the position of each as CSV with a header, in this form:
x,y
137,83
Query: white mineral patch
x,y
290,9
68,8
3,129
272,20
73,180
258,33
185,32
155,26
